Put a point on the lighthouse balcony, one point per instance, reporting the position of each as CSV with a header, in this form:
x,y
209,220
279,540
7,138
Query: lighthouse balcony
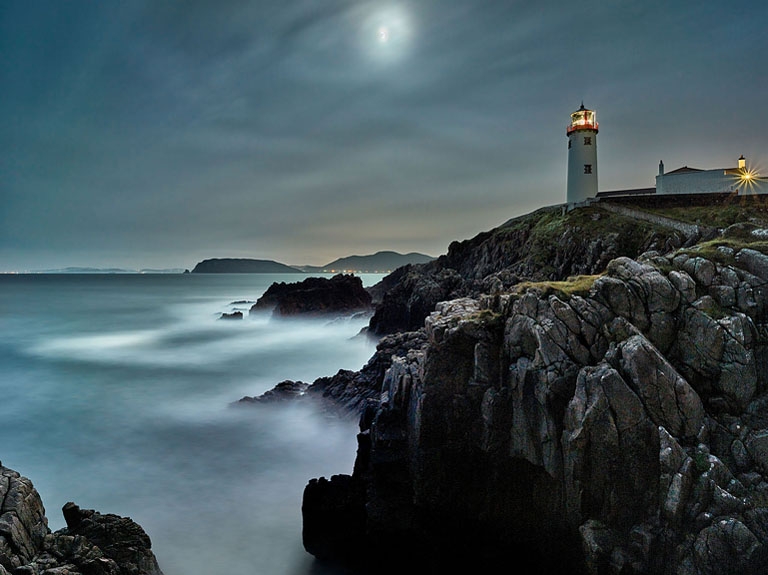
x,y
576,126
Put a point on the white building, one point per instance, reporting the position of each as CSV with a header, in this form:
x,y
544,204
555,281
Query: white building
x,y
582,156
685,180
582,171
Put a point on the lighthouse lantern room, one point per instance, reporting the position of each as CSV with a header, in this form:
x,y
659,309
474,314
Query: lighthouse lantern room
x,y
582,155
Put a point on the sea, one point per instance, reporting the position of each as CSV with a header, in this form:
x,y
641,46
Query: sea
x,y
116,393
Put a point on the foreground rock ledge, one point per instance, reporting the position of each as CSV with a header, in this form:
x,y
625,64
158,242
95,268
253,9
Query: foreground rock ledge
x,y
91,544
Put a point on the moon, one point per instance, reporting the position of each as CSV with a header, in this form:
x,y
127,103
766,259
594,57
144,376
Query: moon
x,y
386,33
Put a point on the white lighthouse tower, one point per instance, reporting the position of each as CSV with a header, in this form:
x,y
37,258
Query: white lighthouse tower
x,y
582,155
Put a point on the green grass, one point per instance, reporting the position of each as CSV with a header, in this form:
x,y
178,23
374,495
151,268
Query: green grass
x,y
485,316
708,250
714,310
574,285
538,238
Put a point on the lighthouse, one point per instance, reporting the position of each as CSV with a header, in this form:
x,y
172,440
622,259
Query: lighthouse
x,y
582,155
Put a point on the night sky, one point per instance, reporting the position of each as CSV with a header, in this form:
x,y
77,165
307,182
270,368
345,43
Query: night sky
x,y
156,134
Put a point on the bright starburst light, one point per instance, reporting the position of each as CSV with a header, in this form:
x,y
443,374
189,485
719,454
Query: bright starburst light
x,y
749,180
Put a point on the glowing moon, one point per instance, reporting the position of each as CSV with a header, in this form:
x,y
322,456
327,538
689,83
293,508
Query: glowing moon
x,y
386,32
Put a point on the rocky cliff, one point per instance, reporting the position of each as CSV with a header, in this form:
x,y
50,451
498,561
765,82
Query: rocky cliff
x,y
612,423
91,544
548,244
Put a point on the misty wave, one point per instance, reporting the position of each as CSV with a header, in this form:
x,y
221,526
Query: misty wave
x,y
122,401
206,344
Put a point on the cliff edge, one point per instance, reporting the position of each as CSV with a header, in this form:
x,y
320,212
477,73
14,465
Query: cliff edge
x,y
548,244
613,422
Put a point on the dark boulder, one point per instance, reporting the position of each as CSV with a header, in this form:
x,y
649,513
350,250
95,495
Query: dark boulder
x,y
91,544
119,538
334,518
315,296
233,315
347,391
283,391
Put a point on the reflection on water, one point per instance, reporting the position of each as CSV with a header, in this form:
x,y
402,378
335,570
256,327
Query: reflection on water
x,y
115,394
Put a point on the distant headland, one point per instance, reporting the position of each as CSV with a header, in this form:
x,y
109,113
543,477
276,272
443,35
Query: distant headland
x,y
242,266
380,262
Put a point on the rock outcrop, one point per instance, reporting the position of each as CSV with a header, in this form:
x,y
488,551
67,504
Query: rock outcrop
x,y
91,544
232,315
284,391
548,244
315,296
347,391
620,430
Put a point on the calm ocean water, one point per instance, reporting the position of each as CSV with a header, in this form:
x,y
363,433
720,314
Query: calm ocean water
x,y
115,393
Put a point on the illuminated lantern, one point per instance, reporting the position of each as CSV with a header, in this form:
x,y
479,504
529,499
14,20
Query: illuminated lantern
x,y
582,156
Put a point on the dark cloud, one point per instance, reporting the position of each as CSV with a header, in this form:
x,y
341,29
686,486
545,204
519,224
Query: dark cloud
x,y
158,133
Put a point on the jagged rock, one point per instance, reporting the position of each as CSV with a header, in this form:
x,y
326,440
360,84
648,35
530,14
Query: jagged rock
x,y
701,270
684,284
611,451
728,547
738,372
233,315
670,401
623,426
339,294
405,306
92,543
348,390
725,296
754,262
757,446
119,538
598,542
283,391
516,251
23,525
334,518
75,555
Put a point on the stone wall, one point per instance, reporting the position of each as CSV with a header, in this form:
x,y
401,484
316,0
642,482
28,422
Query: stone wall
x,y
690,230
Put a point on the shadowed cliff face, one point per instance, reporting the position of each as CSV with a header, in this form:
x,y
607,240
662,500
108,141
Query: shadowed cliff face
x,y
620,431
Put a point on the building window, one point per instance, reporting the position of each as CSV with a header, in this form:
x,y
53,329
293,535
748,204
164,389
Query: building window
x,y
569,144
587,140
587,168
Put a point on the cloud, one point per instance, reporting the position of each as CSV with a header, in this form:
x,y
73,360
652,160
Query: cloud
x,y
164,129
